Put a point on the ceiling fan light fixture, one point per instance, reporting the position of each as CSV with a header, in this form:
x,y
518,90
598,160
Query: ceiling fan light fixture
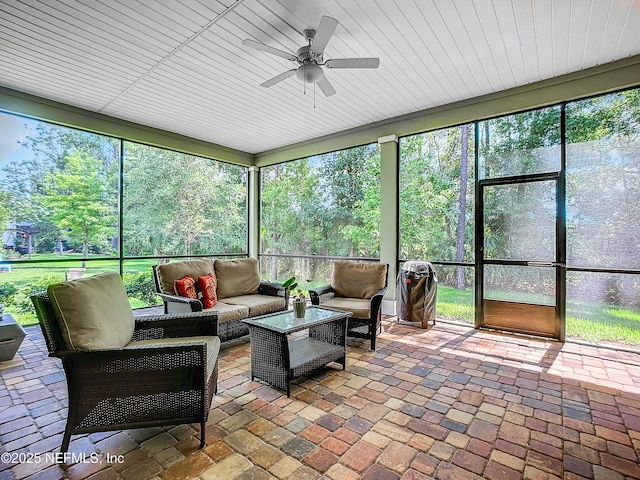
x,y
310,73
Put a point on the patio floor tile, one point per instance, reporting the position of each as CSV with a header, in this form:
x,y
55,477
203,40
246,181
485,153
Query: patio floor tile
x,y
449,402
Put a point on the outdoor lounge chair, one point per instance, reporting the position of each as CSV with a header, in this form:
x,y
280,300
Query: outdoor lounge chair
x,y
123,372
356,287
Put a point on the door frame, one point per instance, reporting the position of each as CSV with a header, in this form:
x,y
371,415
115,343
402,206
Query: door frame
x,y
559,264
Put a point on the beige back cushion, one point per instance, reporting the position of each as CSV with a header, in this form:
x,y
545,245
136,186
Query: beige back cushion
x,y
93,312
358,279
170,272
237,277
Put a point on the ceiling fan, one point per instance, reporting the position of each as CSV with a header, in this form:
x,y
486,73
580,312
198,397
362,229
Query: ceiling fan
x,y
310,58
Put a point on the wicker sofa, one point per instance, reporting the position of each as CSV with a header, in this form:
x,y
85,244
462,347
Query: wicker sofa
x,y
240,292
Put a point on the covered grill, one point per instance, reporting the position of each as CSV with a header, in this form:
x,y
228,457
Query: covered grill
x,y
416,289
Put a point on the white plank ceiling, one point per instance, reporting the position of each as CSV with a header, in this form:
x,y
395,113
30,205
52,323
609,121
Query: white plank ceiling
x,y
179,65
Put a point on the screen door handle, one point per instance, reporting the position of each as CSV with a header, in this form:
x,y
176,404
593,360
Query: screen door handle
x,y
545,264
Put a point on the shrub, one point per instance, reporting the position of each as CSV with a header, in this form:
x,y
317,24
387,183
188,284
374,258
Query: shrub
x,y
7,291
140,285
22,300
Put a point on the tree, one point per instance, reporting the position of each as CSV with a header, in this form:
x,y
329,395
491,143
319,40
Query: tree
x,y
327,205
79,202
293,210
462,205
47,148
4,211
435,223
353,180
176,204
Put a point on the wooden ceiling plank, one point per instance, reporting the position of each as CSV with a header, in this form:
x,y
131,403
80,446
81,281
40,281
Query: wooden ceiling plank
x,y
508,31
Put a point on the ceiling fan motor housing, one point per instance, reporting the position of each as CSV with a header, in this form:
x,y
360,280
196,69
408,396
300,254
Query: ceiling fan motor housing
x,y
305,54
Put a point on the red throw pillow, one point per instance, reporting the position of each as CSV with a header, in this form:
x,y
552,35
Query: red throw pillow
x,y
185,287
207,286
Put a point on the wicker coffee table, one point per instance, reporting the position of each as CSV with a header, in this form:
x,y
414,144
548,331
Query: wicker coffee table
x,y
277,360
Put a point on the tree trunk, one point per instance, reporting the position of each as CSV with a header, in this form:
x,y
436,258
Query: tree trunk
x,y
462,205
85,249
275,238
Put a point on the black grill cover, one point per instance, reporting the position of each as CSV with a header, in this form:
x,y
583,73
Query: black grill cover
x,y
416,289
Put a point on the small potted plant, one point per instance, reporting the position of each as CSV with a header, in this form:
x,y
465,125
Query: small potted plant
x,y
299,301
299,305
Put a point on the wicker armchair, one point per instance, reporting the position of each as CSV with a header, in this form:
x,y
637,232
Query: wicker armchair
x,y
356,287
166,374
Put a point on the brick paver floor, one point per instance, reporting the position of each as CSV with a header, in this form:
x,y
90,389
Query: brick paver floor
x,y
450,402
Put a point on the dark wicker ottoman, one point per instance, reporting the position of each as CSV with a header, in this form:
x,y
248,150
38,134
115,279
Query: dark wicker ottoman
x,y
277,361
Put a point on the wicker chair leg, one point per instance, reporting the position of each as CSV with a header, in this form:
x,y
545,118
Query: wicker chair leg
x,y
66,438
203,434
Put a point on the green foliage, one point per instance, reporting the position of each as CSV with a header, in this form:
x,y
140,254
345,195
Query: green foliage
x,y
47,148
364,199
176,203
78,200
4,210
290,283
140,285
326,205
7,291
294,218
21,300
431,186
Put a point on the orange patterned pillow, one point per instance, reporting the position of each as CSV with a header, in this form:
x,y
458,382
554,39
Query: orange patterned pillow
x,y
207,286
185,287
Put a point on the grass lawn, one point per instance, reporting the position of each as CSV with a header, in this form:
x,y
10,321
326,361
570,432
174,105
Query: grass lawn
x,y
454,304
61,265
591,321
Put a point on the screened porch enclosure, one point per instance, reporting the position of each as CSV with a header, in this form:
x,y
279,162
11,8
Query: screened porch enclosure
x,y
530,218
550,229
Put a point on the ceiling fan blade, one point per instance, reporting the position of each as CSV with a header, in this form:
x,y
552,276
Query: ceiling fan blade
x,y
279,78
266,48
326,87
323,34
352,63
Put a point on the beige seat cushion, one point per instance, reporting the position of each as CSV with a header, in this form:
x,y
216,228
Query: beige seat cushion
x,y
258,304
213,347
358,279
359,308
237,277
170,272
93,312
227,311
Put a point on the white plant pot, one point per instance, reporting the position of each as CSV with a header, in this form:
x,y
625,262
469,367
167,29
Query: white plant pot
x,y
75,273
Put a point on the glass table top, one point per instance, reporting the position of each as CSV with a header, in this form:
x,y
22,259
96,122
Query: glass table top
x,y
285,322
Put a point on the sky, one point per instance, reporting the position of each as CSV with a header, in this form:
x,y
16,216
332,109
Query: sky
x,y
12,130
